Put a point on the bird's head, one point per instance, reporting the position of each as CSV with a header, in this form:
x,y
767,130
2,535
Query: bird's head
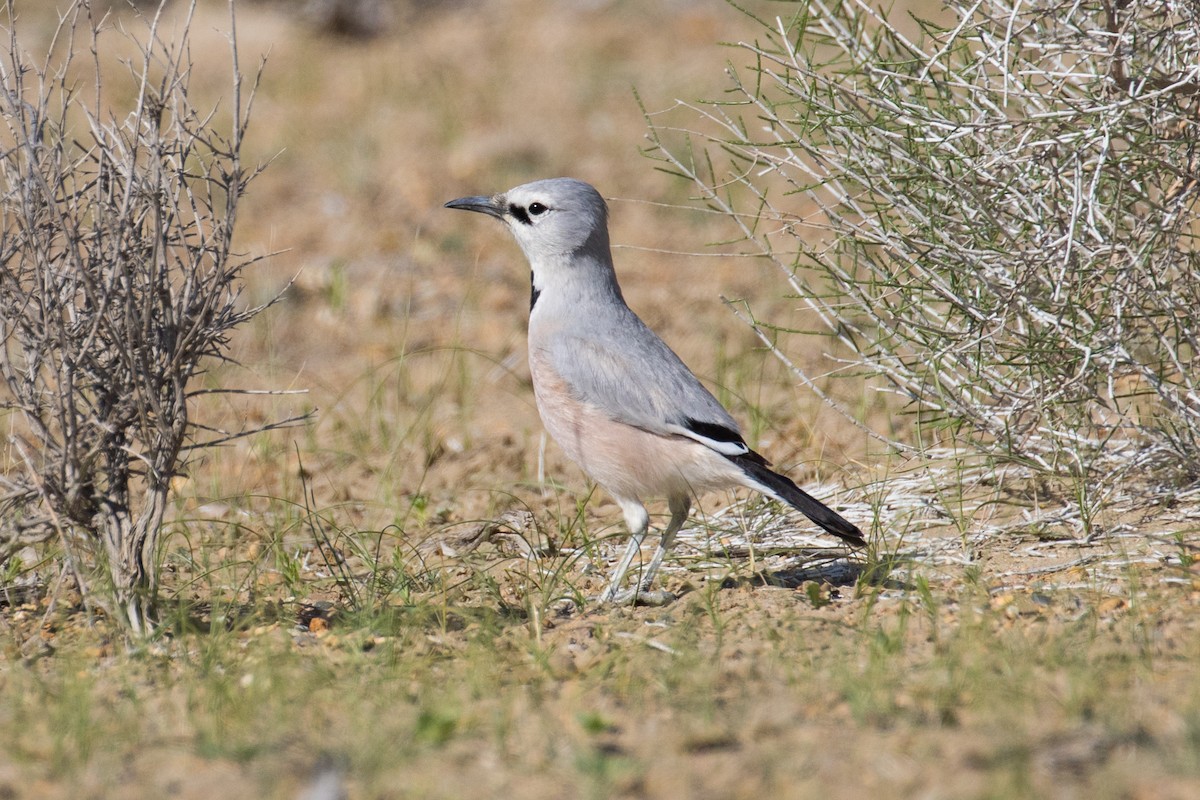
x,y
550,219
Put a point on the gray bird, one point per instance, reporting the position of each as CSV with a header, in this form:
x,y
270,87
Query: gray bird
x,y
613,395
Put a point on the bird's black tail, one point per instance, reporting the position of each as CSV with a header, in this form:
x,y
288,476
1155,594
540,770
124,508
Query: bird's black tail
x,y
762,478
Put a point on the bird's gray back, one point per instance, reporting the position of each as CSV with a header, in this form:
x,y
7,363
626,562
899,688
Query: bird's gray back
x,y
612,360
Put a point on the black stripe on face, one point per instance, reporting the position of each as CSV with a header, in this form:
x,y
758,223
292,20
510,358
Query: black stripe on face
x,y
714,431
521,215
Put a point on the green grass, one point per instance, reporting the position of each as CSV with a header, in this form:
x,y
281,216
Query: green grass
x,y
397,694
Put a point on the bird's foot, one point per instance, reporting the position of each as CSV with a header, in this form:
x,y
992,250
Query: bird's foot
x,y
638,597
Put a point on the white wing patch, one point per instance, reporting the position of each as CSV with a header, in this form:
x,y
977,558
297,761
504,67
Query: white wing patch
x,y
726,447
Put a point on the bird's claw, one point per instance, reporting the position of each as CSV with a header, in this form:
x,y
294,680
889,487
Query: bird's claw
x,y
638,597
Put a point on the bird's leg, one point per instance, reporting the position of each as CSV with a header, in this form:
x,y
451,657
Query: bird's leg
x,y
679,512
641,593
635,545
638,521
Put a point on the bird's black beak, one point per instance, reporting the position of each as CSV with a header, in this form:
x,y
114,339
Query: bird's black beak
x,y
484,205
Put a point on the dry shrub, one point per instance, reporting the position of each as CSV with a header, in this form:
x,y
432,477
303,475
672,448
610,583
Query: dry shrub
x,y
993,216
118,284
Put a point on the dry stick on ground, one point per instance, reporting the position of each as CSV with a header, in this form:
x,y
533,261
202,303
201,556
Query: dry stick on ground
x,y
118,284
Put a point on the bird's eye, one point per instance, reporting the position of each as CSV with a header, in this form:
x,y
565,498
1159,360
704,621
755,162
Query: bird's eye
x,y
537,209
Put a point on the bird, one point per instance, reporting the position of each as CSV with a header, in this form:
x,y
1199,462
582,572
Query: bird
x,y
614,396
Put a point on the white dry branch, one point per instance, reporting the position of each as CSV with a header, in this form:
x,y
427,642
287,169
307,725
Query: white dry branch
x,y
993,217
119,285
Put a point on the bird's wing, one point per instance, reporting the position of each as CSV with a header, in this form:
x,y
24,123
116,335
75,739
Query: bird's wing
x,y
637,379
